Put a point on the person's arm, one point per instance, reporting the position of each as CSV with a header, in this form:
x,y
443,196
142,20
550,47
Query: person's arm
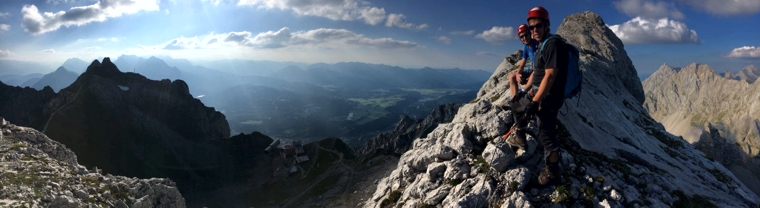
x,y
530,81
520,68
550,75
546,84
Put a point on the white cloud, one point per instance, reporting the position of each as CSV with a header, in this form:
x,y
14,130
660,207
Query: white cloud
x,y
50,50
346,10
641,30
4,14
732,7
649,9
5,53
398,20
284,38
745,52
37,23
497,35
373,15
443,39
469,32
4,27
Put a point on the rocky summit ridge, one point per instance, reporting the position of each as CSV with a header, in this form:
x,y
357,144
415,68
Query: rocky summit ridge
x,y
39,172
126,124
613,153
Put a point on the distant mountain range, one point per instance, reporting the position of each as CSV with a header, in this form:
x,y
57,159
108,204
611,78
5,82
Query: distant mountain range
x,y
719,114
749,74
21,80
13,67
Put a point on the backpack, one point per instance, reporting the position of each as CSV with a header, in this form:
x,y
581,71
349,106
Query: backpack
x,y
574,71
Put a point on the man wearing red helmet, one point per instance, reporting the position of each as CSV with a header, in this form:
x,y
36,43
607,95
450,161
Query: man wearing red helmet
x,y
523,70
548,86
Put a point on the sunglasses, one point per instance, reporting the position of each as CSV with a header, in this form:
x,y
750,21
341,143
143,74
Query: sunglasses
x,y
539,25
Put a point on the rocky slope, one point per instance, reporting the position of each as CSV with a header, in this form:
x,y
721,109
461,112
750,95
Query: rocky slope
x,y
129,125
36,171
719,114
614,154
23,106
400,139
126,124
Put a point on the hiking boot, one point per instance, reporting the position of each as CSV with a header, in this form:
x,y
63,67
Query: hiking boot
x,y
549,175
517,139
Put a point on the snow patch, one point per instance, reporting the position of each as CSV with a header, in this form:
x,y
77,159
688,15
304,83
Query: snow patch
x,y
123,88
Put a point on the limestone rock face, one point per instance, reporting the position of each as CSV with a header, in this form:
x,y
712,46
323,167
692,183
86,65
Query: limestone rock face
x,y
36,171
720,115
613,153
602,55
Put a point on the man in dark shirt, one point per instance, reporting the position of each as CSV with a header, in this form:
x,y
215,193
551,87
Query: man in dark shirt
x,y
548,83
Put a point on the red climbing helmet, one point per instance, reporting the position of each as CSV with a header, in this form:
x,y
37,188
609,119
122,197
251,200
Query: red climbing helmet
x,y
522,28
538,12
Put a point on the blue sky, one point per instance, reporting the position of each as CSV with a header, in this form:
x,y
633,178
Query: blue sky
x,y
407,33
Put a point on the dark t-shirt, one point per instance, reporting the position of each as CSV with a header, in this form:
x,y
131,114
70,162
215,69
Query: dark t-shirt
x,y
554,55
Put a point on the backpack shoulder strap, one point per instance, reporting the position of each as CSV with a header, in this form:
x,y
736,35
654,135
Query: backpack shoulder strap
x,y
545,41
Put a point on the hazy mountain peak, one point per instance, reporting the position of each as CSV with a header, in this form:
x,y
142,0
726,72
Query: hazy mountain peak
x,y
57,80
75,65
126,57
61,69
319,65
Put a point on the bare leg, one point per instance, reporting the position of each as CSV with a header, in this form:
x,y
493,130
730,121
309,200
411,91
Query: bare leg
x,y
513,84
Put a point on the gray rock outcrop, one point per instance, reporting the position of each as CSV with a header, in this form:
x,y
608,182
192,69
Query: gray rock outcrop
x,y
36,171
613,153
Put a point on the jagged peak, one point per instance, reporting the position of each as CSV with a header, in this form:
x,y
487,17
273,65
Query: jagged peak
x,y
752,68
698,69
588,32
105,68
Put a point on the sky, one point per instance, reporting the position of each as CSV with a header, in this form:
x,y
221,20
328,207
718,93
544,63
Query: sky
x,y
409,33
